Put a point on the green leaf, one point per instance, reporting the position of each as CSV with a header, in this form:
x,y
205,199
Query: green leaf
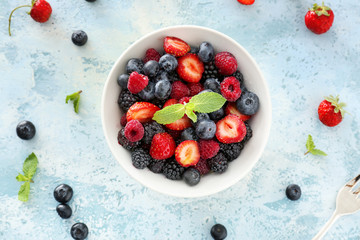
x,y
191,114
310,143
30,165
317,152
75,97
207,102
169,114
22,178
24,191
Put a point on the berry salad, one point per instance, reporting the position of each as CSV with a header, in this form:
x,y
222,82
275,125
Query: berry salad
x,y
186,110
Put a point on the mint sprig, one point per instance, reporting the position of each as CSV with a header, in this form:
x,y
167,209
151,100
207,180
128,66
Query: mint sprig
x,y
206,102
310,146
75,97
29,170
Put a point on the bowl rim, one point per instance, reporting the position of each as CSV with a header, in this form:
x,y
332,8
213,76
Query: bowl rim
x,y
267,105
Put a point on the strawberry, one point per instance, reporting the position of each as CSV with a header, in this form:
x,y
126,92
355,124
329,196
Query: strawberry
x,y
142,111
162,146
230,129
330,111
187,153
231,109
179,124
246,2
175,46
319,19
137,82
40,11
190,68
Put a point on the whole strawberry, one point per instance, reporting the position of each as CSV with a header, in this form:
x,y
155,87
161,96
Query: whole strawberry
x,y
330,111
40,11
319,19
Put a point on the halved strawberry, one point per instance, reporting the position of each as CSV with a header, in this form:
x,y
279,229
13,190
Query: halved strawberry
x,y
162,146
230,129
190,68
142,111
175,46
187,153
246,2
179,124
231,109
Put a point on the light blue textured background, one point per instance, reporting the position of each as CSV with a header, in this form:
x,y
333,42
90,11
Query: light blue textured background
x,y
39,66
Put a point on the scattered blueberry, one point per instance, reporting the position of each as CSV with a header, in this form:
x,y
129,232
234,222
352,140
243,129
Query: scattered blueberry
x,y
217,115
168,62
79,38
206,129
63,193
25,130
206,90
79,231
248,103
123,80
218,232
162,75
90,0
148,93
162,89
192,176
212,84
188,134
151,68
206,52
134,65
64,210
293,192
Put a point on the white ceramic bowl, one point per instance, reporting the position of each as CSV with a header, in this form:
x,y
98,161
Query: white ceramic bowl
x,y
260,123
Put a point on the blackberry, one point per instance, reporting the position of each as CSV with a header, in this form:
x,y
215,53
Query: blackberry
x,y
158,102
189,134
211,71
127,99
248,133
238,75
123,141
140,158
150,129
172,169
173,76
219,163
156,166
232,150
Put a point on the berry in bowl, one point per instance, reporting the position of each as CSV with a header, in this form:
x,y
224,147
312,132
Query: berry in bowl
x,y
186,111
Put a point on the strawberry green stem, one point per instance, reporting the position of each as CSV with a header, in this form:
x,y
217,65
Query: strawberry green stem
x,y
306,152
12,14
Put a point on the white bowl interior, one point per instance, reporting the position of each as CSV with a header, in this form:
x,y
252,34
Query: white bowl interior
x,y
260,123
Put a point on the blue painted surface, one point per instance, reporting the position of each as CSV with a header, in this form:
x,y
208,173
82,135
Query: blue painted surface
x,y
40,66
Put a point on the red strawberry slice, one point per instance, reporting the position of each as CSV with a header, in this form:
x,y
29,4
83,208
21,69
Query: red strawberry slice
x,y
246,2
231,109
187,153
179,124
137,82
190,68
230,129
162,146
175,46
142,111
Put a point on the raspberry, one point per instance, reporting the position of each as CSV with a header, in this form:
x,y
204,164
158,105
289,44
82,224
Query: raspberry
x,y
123,141
202,166
179,90
134,131
230,89
226,63
140,158
150,129
137,82
208,148
151,54
195,88
173,170
219,163
184,100
123,120
231,150
126,100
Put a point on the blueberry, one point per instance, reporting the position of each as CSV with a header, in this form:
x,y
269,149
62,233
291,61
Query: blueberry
x,y
200,117
206,52
25,130
189,134
162,89
248,103
162,75
168,62
206,129
217,115
212,84
192,176
148,93
63,193
134,65
79,38
293,192
151,68
194,49
90,0
79,231
206,90
64,210
123,80
218,232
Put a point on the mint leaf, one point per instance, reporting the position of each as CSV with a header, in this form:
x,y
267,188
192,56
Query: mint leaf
x,y
30,165
24,191
21,178
207,102
191,114
317,152
75,97
169,114
310,146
